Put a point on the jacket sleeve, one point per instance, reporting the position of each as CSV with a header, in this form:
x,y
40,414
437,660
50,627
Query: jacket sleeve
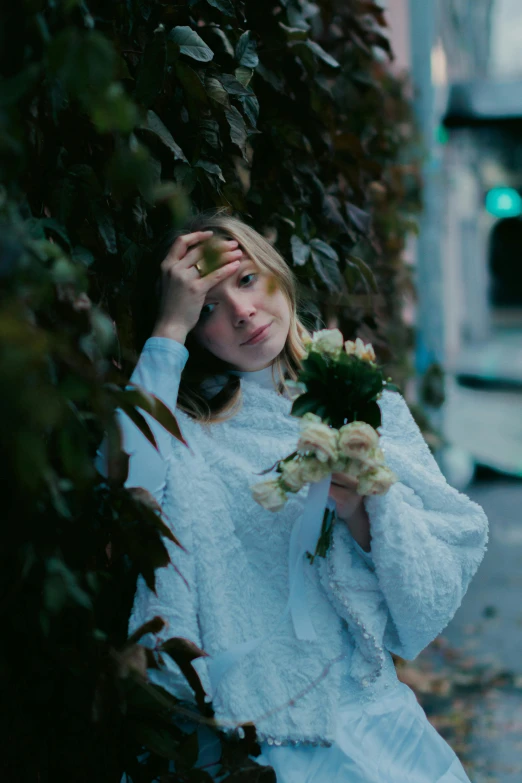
x,y
428,539
176,597
159,371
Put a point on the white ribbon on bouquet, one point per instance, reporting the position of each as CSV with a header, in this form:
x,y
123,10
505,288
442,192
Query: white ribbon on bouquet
x,y
303,538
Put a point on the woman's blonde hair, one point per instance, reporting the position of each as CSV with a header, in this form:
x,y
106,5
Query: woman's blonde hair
x,y
203,365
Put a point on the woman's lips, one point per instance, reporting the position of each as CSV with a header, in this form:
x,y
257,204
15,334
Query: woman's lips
x,y
259,335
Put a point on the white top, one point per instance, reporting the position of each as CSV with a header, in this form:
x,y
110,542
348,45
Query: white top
x,y
427,542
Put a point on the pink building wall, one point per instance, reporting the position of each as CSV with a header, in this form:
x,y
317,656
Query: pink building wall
x,y
397,14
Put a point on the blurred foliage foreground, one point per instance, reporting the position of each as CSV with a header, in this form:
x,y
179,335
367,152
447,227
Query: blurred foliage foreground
x,y
117,120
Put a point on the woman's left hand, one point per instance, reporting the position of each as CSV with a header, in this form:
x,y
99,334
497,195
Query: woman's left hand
x,y
350,508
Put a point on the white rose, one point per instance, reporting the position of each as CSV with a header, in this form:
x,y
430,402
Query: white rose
x,y
329,341
359,349
375,458
318,438
269,494
376,481
313,471
310,417
357,439
306,340
292,475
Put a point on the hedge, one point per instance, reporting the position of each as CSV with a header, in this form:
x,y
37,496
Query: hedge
x,y
117,120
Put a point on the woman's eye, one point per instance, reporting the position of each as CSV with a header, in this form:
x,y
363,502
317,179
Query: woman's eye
x,y
245,281
207,309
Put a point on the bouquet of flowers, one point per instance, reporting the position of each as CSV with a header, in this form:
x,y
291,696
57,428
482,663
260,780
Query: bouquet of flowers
x,y
336,398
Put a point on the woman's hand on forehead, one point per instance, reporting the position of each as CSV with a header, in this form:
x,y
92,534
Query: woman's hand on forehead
x,y
216,252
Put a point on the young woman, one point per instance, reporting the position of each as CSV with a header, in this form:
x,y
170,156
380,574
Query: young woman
x,y
329,709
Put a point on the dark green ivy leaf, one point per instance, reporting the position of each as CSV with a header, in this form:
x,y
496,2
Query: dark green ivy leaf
x,y
151,626
183,652
155,126
191,44
84,61
61,588
113,110
209,130
160,739
326,263
360,219
216,91
246,50
251,108
232,85
191,82
13,90
152,69
225,6
135,396
238,131
105,224
244,75
300,250
210,168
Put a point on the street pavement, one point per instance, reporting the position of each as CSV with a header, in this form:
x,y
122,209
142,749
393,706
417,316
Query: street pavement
x,y
488,627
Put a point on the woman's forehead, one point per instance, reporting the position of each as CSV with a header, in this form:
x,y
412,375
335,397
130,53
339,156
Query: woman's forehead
x,y
245,262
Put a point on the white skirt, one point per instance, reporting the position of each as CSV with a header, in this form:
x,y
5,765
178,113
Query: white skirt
x,y
386,741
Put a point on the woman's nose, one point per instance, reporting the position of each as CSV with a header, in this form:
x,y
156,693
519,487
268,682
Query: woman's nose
x,y
242,310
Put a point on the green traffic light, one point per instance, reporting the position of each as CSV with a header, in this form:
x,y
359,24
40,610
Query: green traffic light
x,y
504,202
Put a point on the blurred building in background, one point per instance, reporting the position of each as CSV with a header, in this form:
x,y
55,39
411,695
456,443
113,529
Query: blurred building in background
x,y
466,63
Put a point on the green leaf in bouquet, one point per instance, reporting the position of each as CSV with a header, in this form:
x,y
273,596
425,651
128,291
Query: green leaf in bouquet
x,y
306,403
371,414
325,537
322,411
314,366
392,387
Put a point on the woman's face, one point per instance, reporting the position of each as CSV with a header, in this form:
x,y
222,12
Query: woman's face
x,y
235,311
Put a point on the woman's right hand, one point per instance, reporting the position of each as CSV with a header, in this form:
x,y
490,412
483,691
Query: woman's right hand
x,y
183,289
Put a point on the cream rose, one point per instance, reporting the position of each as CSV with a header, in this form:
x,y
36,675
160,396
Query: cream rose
x,y
357,440
375,458
376,481
329,341
292,475
313,471
269,494
359,349
318,438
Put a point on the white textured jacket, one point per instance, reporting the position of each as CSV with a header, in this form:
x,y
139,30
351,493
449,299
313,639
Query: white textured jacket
x,y
427,543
